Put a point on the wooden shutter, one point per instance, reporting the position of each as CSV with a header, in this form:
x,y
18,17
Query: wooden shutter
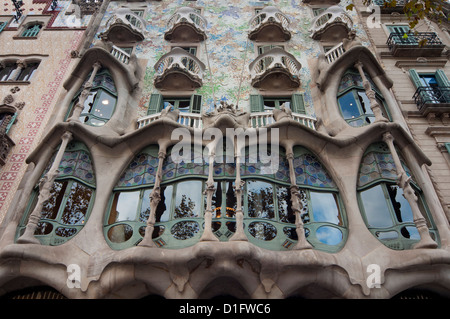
x,y
441,78
256,103
196,103
298,104
155,104
2,26
415,78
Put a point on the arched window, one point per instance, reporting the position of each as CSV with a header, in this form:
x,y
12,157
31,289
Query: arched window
x,y
100,104
270,220
386,211
129,206
322,210
71,199
354,104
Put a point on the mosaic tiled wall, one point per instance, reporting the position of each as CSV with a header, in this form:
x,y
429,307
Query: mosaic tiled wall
x,y
227,49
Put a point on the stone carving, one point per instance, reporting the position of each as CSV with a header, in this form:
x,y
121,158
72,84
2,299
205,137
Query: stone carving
x,y
170,113
227,112
282,113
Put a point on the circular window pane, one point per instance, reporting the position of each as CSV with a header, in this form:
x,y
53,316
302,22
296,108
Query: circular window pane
x,y
120,233
329,235
185,230
262,230
290,233
65,232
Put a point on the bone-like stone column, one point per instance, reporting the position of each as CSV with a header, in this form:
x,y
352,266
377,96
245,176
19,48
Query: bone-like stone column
x,y
302,243
20,65
79,106
45,186
155,198
374,105
209,192
239,235
408,192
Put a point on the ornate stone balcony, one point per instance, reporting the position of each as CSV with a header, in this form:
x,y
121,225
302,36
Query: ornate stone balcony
x,y
189,119
420,44
269,25
275,69
178,70
261,119
120,54
331,25
186,25
124,26
6,143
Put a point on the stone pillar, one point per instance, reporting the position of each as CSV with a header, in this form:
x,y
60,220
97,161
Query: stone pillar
x,y
20,65
374,105
45,186
239,235
155,198
79,106
296,204
408,192
209,192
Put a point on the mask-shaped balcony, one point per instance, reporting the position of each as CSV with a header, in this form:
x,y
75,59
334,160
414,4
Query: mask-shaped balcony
x,y
186,25
179,70
275,70
269,25
331,25
420,44
124,26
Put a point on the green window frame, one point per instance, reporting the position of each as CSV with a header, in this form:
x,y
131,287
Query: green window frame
x,y
3,25
32,30
386,212
101,102
158,102
258,103
353,102
71,200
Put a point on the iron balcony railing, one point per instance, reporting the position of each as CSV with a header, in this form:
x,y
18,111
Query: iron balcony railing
x,y
425,39
426,95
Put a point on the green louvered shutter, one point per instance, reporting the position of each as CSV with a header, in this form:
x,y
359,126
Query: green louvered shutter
x,y
196,103
256,103
298,104
155,104
11,122
441,78
2,26
415,78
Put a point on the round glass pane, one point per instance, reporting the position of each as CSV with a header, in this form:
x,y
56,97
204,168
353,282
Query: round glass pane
x,y
329,235
120,233
185,230
262,231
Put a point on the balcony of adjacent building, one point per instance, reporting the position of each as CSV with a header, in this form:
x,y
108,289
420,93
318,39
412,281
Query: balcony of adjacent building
x,y
269,25
432,100
331,24
179,70
275,69
186,25
125,25
387,6
404,43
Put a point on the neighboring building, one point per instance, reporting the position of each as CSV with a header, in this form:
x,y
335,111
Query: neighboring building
x,y
354,206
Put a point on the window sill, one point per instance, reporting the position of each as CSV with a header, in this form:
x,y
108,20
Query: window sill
x,y
24,38
15,82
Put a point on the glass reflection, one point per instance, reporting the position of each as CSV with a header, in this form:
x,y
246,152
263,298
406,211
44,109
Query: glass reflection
x,y
401,207
163,208
325,208
124,206
375,207
329,235
188,199
77,205
260,200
